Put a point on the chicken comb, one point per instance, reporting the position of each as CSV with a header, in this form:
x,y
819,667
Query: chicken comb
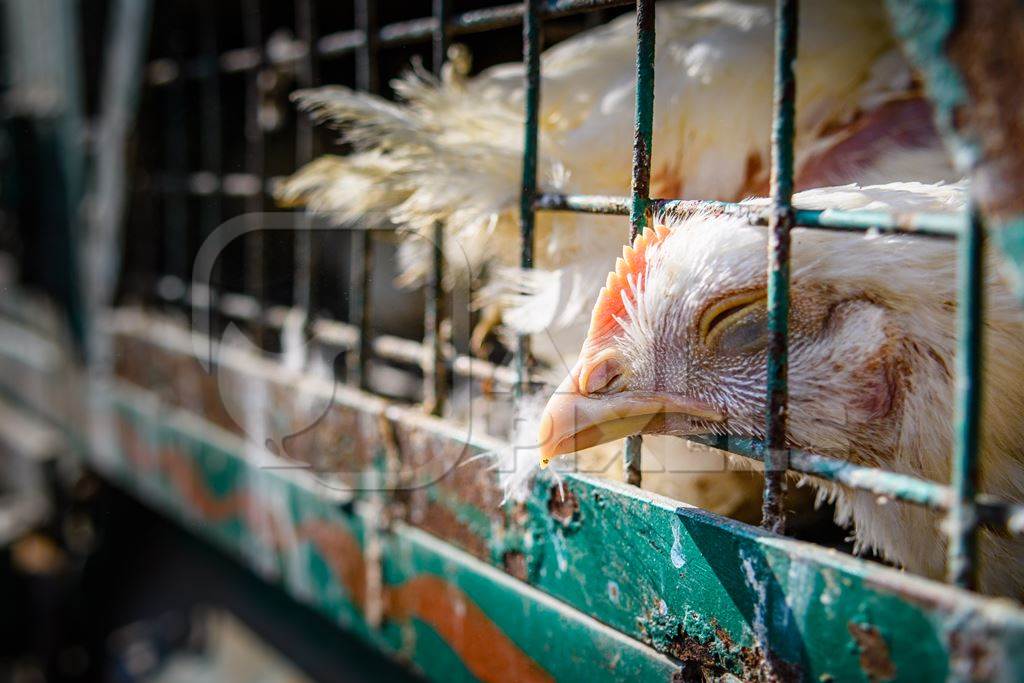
x,y
611,307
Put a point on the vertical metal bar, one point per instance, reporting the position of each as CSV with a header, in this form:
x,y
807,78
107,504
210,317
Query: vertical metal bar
x,y
361,245
176,171
639,207
367,73
211,143
255,265
435,380
780,223
532,45
305,256
963,517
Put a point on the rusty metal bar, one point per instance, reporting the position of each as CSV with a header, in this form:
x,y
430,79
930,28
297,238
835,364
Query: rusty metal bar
x,y
435,377
640,187
780,222
532,46
255,158
963,518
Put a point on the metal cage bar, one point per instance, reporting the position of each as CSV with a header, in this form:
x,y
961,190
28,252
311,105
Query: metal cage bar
x,y
780,222
435,378
963,517
640,186
304,285
211,140
255,163
361,245
532,45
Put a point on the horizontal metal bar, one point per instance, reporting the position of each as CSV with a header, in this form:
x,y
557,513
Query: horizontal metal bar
x,y
597,204
1000,514
939,225
343,336
163,71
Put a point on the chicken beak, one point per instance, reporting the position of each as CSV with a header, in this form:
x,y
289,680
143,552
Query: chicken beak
x,y
573,421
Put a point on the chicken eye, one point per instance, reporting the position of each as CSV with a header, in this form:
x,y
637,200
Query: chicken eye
x,y
603,377
739,325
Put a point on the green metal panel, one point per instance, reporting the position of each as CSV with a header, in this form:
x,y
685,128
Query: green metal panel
x,y
717,595
434,605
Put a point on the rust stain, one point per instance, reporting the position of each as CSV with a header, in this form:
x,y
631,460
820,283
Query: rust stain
x,y
875,660
484,648
701,659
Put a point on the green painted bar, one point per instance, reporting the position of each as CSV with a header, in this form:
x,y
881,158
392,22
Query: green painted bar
x,y
640,187
963,517
936,225
532,46
780,222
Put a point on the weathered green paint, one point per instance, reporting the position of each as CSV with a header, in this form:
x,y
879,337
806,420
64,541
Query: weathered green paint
x,y
780,222
640,187
687,583
252,513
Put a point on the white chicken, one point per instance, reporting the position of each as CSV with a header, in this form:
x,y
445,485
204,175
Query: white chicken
x,y
677,345
451,151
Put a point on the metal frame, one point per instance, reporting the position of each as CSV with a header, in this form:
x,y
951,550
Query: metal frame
x,y
965,507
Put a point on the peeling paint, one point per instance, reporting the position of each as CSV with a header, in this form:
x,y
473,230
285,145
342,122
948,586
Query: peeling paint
x,y
676,554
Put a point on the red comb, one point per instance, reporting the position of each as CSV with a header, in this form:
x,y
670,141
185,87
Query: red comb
x,y
610,307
